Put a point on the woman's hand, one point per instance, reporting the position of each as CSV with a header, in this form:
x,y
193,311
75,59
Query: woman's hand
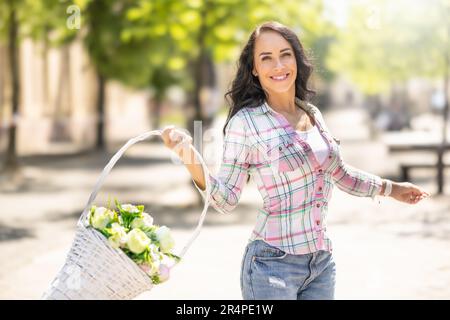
x,y
175,138
408,192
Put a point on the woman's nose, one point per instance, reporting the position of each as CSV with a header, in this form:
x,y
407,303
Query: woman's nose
x,y
278,64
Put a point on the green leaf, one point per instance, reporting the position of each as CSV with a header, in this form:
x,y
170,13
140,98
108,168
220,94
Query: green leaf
x,y
155,279
173,256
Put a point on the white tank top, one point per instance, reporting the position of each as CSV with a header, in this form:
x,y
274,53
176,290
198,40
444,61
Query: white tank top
x,y
316,142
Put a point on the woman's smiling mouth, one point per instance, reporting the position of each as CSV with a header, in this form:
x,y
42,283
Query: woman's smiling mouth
x,y
280,78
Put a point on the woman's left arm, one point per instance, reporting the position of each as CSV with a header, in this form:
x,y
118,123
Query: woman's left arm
x,y
355,181
364,184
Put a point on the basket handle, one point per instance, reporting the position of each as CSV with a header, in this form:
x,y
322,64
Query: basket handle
x,y
83,221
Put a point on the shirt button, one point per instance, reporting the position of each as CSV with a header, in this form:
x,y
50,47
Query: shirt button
x,y
318,222
320,188
329,157
318,205
320,170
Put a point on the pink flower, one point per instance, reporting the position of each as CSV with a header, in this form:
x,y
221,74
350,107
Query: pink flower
x,y
164,272
144,267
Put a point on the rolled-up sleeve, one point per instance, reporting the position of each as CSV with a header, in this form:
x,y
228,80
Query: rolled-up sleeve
x,y
227,184
355,181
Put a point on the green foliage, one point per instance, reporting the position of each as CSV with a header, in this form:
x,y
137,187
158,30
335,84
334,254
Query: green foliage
x,y
43,20
385,42
157,43
128,216
183,30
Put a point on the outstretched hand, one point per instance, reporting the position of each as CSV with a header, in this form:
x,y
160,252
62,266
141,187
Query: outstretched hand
x,y
408,192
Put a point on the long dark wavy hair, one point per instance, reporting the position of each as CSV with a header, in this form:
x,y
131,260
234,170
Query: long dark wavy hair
x,y
246,90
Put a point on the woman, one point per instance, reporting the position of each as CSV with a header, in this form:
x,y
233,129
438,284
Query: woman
x,y
275,135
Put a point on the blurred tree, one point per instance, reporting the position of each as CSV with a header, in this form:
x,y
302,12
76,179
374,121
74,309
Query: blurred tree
x,y
47,23
209,31
119,52
385,43
21,19
11,28
192,36
159,64
101,26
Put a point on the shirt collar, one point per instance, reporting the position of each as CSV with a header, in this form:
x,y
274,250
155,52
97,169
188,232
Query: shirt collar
x,y
264,108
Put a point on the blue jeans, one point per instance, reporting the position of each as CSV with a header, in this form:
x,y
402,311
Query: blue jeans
x,y
270,273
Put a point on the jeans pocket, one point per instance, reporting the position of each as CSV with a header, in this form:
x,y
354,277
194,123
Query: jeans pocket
x,y
267,252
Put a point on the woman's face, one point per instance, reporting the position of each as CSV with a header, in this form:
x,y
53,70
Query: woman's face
x,y
274,62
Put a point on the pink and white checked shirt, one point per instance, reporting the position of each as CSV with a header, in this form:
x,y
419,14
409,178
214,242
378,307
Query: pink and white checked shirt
x,y
295,188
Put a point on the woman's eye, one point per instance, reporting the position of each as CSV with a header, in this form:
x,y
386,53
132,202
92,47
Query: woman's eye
x,y
283,55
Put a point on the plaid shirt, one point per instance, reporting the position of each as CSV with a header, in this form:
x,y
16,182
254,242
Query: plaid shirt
x,y
295,188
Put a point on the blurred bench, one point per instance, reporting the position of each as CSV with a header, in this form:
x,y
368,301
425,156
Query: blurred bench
x,y
406,168
437,148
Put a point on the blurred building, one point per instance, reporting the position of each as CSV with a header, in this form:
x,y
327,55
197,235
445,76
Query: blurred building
x,y
57,100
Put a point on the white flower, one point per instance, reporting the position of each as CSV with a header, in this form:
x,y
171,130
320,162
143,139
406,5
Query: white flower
x,y
101,217
118,236
137,241
165,239
144,222
129,208
154,252
154,267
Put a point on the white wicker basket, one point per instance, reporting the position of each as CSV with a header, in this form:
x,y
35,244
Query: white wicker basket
x,y
95,270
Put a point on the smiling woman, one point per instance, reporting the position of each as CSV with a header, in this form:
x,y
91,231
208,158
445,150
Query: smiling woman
x,y
274,133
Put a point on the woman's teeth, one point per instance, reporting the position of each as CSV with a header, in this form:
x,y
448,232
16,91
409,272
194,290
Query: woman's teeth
x,y
280,78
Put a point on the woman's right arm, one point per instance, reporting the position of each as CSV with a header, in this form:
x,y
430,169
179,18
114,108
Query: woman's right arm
x,y
226,187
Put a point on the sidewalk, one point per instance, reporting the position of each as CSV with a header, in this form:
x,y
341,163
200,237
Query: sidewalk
x,y
382,251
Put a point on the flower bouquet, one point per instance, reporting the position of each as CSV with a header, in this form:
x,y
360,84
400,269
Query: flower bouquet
x,y
131,230
119,253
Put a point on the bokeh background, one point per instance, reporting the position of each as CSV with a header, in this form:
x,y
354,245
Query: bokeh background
x,y
80,78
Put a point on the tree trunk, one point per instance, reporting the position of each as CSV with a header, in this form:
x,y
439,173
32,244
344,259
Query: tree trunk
x,y
2,86
204,76
45,87
11,155
156,114
209,81
198,73
100,107
154,107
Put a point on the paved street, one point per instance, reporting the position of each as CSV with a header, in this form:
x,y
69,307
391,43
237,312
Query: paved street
x,y
389,250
